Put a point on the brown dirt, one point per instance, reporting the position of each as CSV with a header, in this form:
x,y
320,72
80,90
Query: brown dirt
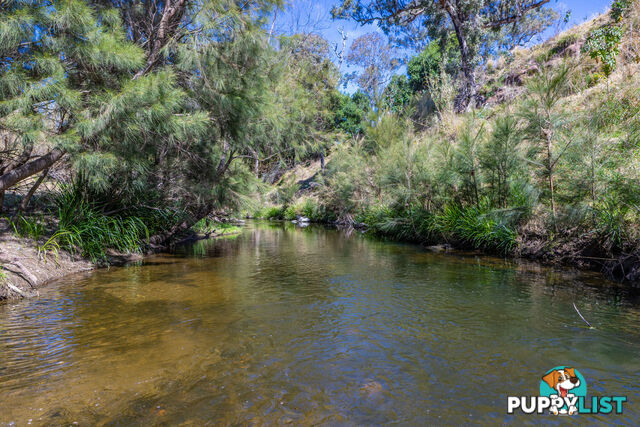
x,y
25,270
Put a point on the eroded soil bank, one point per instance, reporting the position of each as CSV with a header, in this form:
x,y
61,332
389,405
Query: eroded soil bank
x,y
25,266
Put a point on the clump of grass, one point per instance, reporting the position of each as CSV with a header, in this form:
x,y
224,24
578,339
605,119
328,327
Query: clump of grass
x,y
52,245
290,212
316,212
414,224
270,212
477,227
93,233
35,228
84,229
28,227
307,207
611,223
207,225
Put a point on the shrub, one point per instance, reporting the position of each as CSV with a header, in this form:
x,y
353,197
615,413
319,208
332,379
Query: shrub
x,y
315,211
85,229
414,224
290,213
611,224
269,212
477,227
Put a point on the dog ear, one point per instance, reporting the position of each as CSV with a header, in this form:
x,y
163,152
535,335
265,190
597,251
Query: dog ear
x,y
571,371
551,378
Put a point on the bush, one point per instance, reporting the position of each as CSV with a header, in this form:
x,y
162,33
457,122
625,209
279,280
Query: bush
x,y
84,229
207,225
290,213
269,212
477,227
316,212
611,223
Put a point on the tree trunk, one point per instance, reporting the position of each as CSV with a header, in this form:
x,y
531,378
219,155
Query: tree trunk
x,y
475,187
25,201
256,163
172,14
468,89
550,167
10,179
225,159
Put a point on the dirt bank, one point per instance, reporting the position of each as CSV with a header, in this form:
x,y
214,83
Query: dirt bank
x,y
25,269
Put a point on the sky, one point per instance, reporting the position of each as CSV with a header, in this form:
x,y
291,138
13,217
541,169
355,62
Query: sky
x,y
315,17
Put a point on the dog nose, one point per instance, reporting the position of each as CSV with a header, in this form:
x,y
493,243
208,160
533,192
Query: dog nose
x,y
574,380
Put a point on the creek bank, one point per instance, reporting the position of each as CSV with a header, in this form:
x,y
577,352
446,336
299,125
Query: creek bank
x,y
24,268
577,251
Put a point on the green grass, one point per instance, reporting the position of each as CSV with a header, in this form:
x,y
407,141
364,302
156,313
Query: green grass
x,y
307,207
93,233
28,227
269,212
477,227
467,226
84,229
206,225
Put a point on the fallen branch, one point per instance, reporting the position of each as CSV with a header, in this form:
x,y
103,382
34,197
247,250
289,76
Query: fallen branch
x,y
15,289
33,280
581,316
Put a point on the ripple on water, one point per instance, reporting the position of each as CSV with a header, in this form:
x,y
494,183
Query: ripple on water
x,y
308,327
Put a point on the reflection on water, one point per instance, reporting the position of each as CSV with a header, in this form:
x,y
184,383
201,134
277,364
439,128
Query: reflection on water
x,y
308,326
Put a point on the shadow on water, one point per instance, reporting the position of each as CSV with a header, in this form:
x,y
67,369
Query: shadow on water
x,y
281,324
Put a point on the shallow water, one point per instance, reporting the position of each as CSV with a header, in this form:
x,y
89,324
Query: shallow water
x,y
308,326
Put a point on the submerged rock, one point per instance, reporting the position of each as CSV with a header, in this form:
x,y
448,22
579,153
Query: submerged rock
x,y
371,388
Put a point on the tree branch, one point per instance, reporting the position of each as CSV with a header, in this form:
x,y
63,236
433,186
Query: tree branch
x,y
28,169
515,15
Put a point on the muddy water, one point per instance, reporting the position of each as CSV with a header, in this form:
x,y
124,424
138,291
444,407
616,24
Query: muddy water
x,y
310,326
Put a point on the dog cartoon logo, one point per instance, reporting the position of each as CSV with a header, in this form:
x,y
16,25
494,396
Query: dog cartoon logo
x,y
564,385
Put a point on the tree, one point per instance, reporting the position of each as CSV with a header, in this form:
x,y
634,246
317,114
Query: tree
x,y
603,43
546,125
471,20
63,70
500,159
466,160
306,91
376,58
155,25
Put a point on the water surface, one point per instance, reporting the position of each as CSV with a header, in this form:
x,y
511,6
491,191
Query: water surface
x,y
311,326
